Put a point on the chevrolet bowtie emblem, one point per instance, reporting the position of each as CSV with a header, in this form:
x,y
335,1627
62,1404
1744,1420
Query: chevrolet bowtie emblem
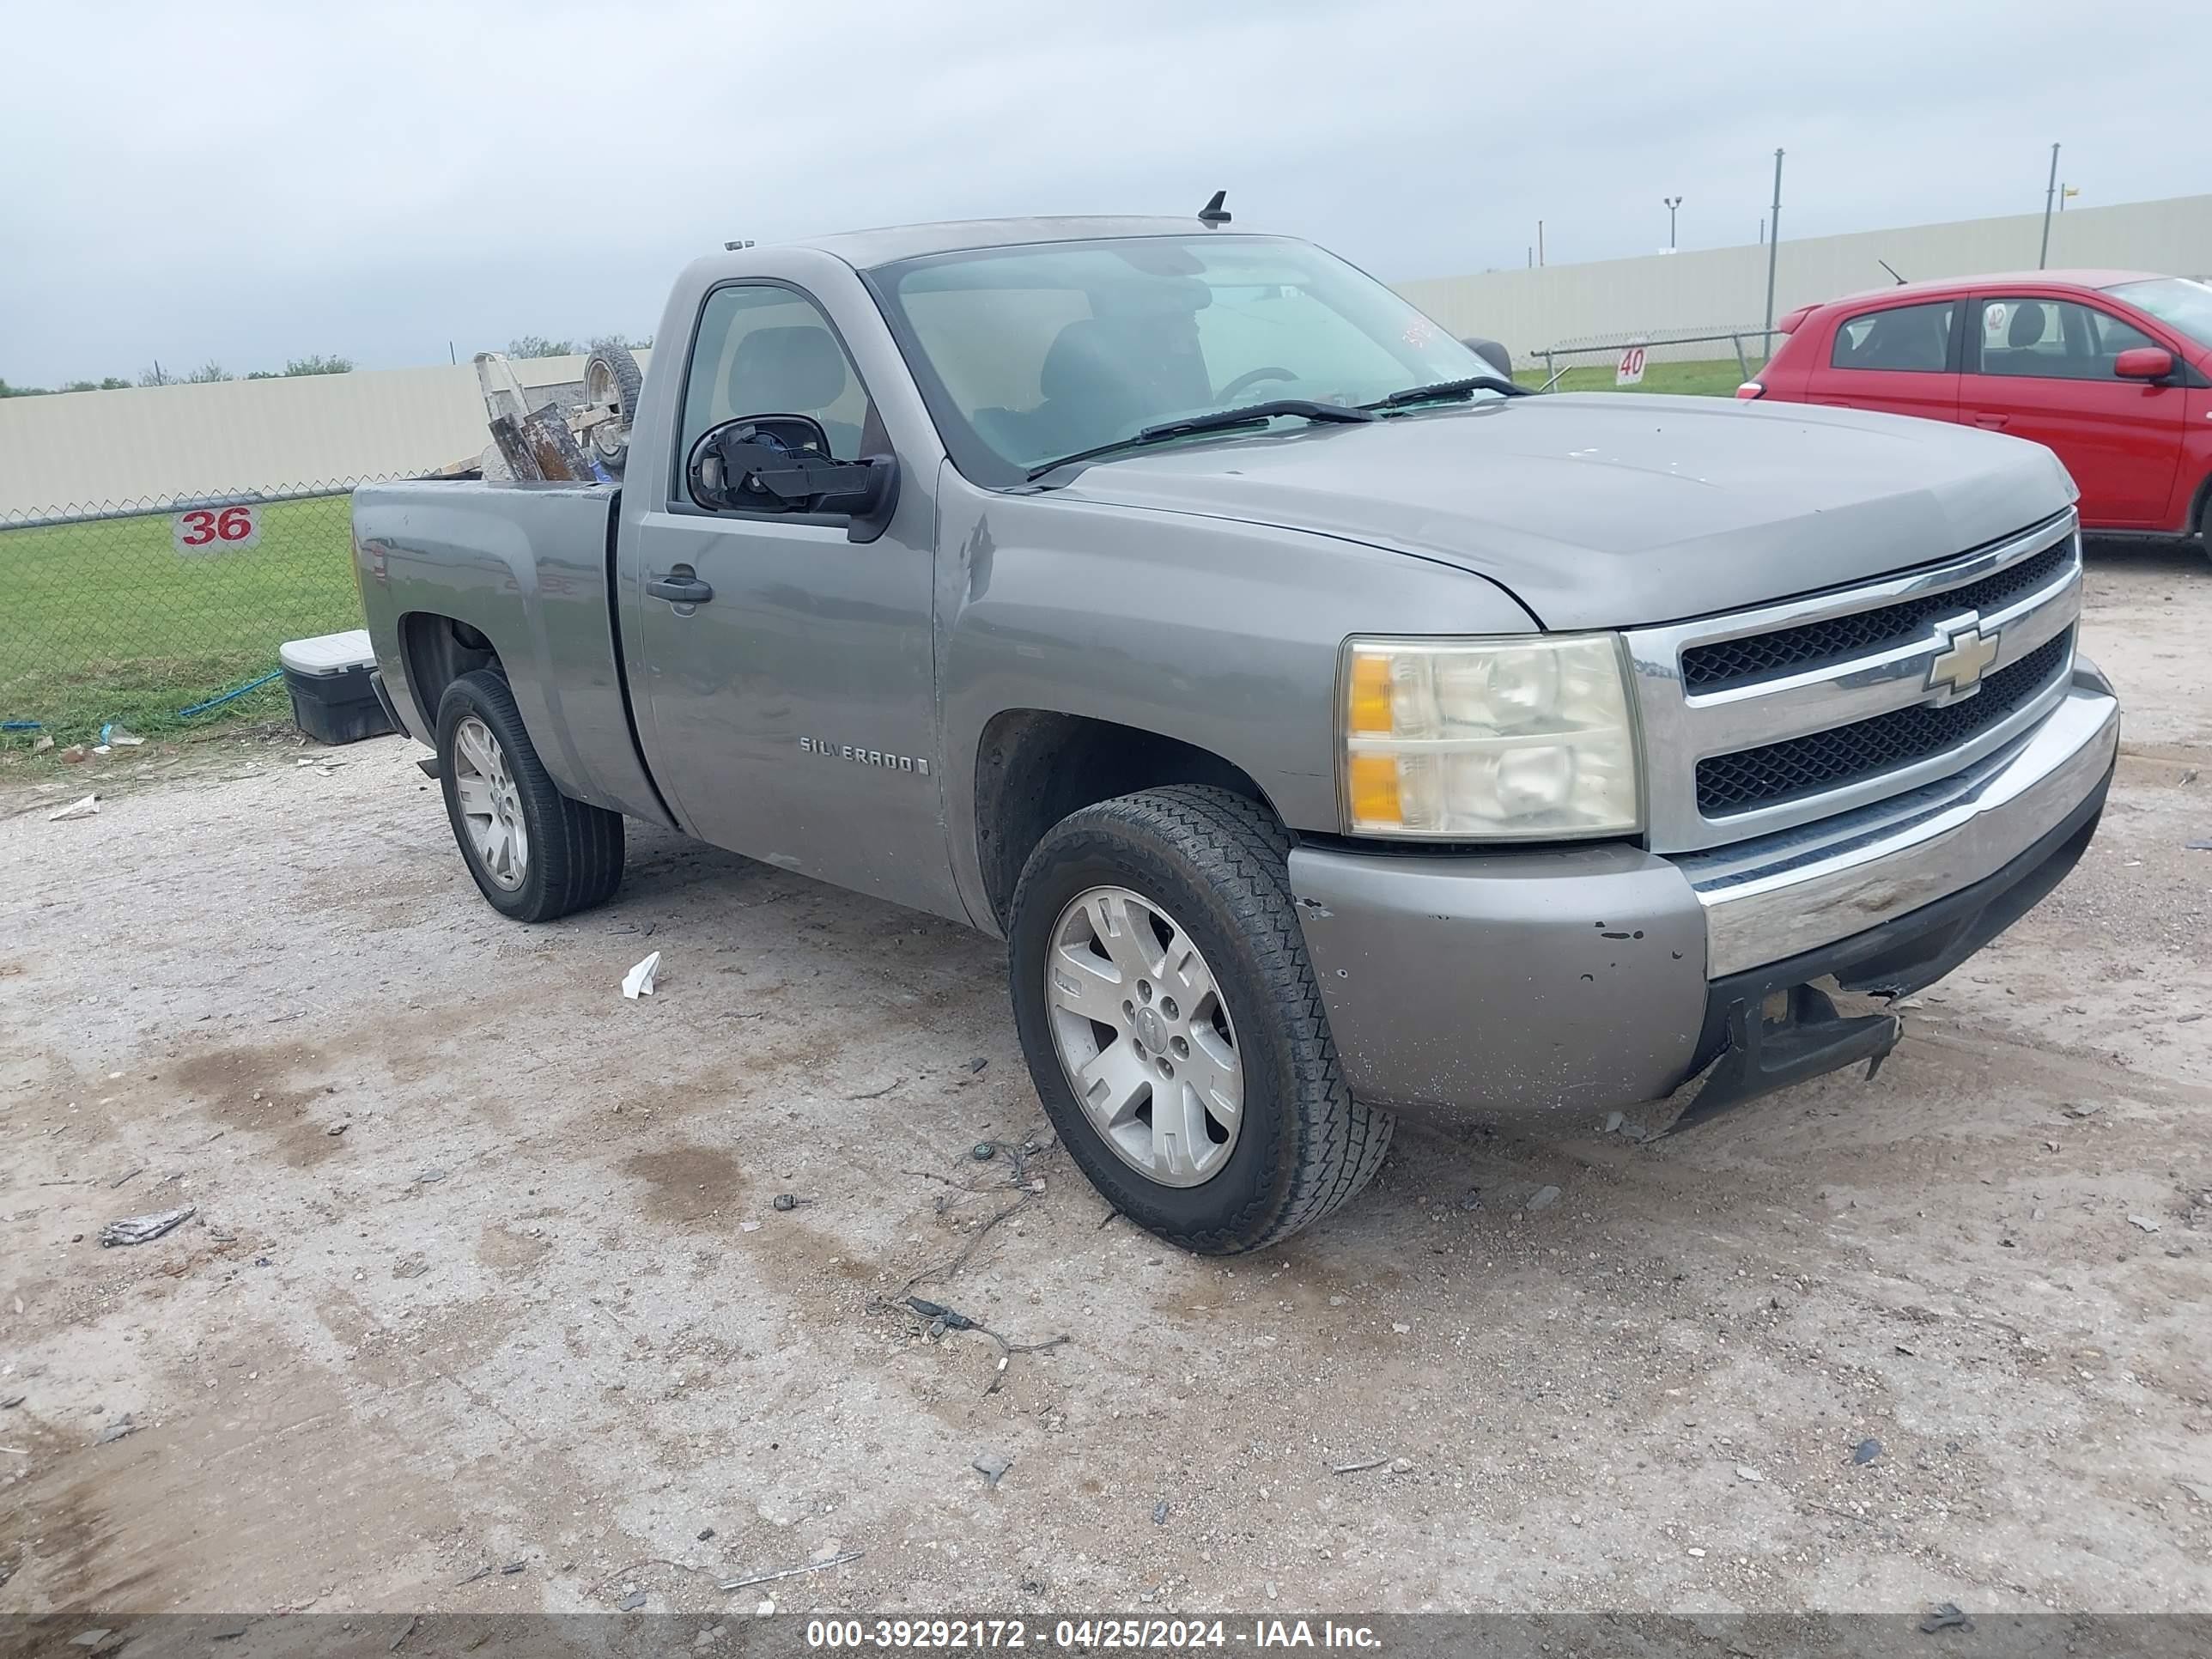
x,y
1957,668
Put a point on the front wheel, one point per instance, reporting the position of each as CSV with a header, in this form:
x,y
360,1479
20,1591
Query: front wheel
x,y
1172,1026
535,854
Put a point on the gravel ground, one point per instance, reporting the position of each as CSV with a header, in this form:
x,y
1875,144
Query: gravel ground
x,y
487,1264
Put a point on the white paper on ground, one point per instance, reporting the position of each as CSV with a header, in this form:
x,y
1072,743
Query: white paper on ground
x,y
638,983
76,809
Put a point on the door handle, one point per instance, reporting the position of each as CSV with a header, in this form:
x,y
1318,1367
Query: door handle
x,y
1992,421
681,585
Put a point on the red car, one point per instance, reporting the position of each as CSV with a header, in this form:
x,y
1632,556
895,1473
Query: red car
x,y
2112,370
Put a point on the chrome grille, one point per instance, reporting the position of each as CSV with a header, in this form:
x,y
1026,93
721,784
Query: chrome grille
x,y
1804,766
1728,662
1761,719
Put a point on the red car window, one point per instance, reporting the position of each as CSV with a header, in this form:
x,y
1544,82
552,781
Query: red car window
x,y
1910,338
2053,339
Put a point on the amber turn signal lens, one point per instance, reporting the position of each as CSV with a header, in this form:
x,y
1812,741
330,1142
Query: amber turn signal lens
x,y
1375,789
1371,696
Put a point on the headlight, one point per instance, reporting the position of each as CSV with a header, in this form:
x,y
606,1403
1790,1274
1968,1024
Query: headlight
x,y
1478,740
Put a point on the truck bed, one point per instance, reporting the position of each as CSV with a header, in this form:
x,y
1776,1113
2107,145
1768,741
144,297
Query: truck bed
x,y
531,566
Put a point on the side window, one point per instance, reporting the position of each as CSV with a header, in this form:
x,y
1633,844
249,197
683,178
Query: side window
x,y
1912,338
2053,339
768,350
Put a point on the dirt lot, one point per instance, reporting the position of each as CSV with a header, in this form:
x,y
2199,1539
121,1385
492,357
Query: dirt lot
x,y
486,1266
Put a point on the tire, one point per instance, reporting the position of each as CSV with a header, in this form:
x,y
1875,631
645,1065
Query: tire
x,y
1210,864
611,376
571,855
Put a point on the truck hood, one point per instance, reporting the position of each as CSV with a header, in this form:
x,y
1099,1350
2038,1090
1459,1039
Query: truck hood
x,y
1610,510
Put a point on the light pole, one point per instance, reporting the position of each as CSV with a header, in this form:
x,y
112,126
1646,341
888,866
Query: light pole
x,y
1773,249
1672,201
2049,191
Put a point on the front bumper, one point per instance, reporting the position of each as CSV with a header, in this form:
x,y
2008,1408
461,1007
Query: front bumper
x,y
1606,975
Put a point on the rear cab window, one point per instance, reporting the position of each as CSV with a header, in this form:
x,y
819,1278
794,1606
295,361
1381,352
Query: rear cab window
x,y
1909,339
763,349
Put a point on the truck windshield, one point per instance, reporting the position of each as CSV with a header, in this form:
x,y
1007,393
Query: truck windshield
x,y
2174,300
1028,353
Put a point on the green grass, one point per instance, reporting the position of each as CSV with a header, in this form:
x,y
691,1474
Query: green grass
x,y
107,621
1718,378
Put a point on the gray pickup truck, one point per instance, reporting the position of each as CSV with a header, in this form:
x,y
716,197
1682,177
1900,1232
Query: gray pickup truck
x,y
1331,729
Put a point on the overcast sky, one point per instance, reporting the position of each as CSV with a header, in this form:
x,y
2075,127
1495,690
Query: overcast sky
x,y
247,183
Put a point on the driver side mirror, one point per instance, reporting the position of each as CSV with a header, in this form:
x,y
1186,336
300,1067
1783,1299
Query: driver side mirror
x,y
782,464
2143,363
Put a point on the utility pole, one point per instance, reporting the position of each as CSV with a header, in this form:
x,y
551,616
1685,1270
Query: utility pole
x,y
1672,201
1762,230
1540,241
1773,248
2050,192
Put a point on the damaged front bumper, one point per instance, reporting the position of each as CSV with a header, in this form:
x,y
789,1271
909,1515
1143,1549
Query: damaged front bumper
x,y
1604,976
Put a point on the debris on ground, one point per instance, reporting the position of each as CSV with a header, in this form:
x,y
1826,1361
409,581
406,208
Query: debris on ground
x,y
337,1129
1542,1199
1945,1616
72,755
83,808
940,1316
705,1533
1401,1466
1744,1472
993,1467
977,1065
40,744
787,1201
2144,1222
428,1176
119,737
638,983
837,1559
1867,1450
141,1228
631,1602
2082,1110
984,1151
115,1431
1160,1513
1355,1468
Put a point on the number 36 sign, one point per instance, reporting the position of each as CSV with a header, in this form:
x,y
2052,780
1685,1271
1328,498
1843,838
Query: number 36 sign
x,y
205,530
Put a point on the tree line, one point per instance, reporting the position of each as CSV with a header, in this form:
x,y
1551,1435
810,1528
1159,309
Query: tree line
x,y
207,374
529,345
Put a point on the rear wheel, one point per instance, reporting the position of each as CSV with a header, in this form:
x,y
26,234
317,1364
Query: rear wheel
x,y
1172,1026
535,854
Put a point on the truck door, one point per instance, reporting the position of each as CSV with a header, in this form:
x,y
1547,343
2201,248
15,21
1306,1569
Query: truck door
x,y
792,706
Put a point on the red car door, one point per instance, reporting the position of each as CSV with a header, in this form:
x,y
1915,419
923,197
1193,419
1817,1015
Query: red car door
x,y
2041,368
1902,359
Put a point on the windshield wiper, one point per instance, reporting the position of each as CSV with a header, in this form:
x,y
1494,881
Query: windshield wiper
x,y
1460,388
1220,420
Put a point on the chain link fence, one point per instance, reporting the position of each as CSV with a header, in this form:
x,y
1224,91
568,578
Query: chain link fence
x,y
1711,361
163,616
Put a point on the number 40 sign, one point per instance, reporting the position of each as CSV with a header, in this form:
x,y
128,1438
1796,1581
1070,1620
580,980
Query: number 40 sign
x,y
205,530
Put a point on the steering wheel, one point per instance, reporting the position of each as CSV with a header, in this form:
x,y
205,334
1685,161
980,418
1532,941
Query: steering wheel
x,y
1252,377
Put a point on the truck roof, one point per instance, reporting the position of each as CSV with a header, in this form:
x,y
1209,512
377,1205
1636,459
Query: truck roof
x,y
865,249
